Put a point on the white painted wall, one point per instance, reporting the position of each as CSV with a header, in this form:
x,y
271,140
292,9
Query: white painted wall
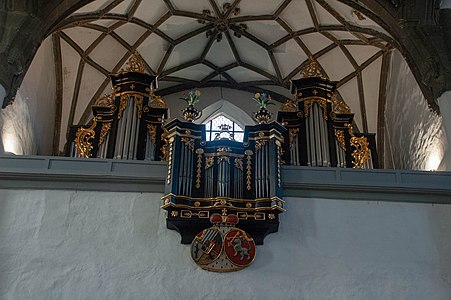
x,y
93,245
27,124
414,135
39,92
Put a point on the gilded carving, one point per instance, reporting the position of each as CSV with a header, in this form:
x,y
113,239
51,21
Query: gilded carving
x,y
279,159
164,148
199,153
105,100
122,105
313,69
157,102
209,162
361,153
104,131
188,142
139,104
152,129
249,154
293,134
288,106
171,141
259,144
340,136
239,164
135,64
321,102
83,139
340,106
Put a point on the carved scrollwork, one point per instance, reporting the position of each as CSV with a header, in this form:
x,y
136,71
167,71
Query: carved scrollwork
x,y
340,136
152,129
157,102
106,100
135,63
104,131
313,69
83,140
289,106
340,106
361,153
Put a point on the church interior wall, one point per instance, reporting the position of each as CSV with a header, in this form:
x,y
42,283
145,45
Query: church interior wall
x,y
27,125
414,134
98,245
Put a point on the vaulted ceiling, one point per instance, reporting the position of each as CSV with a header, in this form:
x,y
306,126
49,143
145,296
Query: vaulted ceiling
x,y
251,45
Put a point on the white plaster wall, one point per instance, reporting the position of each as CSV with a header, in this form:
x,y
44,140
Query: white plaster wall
x,y
92,245
414,134
29,122
39,91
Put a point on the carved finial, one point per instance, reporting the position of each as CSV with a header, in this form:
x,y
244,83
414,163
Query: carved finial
x,y
135,63
313,69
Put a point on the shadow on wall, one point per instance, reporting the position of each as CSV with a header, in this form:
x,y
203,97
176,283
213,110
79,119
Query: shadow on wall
x,y
16,132
414,134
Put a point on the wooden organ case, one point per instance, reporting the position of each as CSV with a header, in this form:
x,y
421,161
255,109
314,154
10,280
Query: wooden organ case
x,y
125,124
319,126
223,176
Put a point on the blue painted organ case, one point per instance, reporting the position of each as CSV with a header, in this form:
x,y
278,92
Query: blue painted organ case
x,y
225,177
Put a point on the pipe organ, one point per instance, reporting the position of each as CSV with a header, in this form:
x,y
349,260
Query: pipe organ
x,y
125,124
223,176
319,126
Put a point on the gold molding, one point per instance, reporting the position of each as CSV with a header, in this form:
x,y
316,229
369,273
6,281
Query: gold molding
x,y
225,199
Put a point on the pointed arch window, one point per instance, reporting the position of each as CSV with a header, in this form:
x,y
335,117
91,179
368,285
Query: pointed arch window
x,y
222,128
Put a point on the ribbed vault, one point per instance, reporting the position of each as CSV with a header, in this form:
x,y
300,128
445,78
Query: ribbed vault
x,y
250,45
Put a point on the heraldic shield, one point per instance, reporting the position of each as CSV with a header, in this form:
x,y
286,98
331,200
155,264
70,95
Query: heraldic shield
x,y
223,247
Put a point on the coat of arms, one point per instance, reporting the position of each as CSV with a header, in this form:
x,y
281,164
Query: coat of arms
x,y
223,247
